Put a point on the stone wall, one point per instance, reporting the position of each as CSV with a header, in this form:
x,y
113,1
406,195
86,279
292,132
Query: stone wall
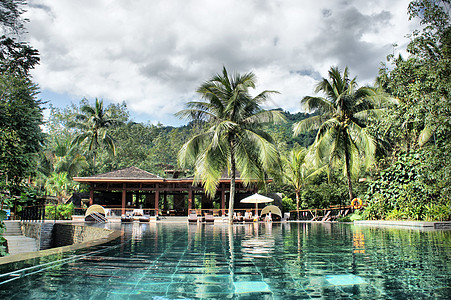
x,y
67,234
41,232
51,235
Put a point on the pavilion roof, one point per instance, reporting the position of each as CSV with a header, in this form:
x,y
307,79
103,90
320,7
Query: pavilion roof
x,y
133,174
130,173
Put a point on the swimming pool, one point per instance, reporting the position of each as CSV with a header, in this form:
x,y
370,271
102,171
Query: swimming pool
x,y
245,261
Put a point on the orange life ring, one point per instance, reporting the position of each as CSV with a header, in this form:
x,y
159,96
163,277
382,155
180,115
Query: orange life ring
x,y
356,203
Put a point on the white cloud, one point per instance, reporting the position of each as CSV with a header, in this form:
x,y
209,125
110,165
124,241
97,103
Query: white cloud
x,y
154,54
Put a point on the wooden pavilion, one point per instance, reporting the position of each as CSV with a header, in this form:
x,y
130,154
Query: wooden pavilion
x,y
135,188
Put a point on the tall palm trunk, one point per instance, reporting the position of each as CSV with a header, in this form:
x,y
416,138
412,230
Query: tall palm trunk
x,y
297,204
347,164
232,181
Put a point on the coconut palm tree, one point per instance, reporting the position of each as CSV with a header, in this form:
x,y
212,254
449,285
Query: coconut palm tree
x,y
343,116
233,139
65,158
297,171
60,185
93,124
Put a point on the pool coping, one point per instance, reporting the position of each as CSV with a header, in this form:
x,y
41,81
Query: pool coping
x,y
59,250
443,225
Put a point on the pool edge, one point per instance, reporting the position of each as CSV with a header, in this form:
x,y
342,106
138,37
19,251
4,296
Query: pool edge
x,y
58,250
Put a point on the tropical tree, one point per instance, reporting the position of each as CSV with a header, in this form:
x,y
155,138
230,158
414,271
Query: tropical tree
x,y
297,171
93,124
60,185
234,139
343,116
66,158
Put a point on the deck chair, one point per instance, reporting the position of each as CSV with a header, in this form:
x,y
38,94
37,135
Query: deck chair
x,y
209,218
326,217
192,218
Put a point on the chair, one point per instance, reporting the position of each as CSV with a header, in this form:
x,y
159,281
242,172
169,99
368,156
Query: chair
x,y
248,217
192,217
126,218
144,218
326,217
209,218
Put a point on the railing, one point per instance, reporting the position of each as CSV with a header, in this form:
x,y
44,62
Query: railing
x,y
321,214
33,213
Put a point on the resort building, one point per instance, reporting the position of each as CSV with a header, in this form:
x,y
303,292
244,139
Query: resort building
x,y
133,188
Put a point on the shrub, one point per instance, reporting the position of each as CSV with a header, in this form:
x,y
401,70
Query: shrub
x,y
63,212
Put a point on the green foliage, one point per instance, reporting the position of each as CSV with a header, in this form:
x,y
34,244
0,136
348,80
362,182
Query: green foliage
x,y
356,216
343,116
93,125
59,185
20,133
59,212
344,219
409,189
288,204
414,181
10,15
323,195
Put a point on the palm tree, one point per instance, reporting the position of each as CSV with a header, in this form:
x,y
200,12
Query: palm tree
x,y
343,116
65,158
60,185
297,171
93,124
234,139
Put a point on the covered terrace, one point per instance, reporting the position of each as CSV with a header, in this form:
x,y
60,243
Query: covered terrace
x,y
133,188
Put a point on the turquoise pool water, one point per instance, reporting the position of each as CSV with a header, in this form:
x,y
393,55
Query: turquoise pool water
x,y
248,261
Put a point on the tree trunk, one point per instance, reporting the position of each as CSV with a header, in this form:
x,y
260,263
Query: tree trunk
x,y
232,181
297,204
348,172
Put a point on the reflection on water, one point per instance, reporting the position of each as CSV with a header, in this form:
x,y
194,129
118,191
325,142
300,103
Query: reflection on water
x,y
255,245
245,261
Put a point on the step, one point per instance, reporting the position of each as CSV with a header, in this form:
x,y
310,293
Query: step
x,y
20,244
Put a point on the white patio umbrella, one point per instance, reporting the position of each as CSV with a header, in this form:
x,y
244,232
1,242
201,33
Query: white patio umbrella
x,y
256,198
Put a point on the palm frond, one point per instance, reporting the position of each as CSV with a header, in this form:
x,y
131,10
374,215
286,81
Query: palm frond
x,y
308,124
320,104
265,117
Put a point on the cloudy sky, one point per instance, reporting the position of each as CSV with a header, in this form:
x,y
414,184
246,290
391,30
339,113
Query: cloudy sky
x,y
154,54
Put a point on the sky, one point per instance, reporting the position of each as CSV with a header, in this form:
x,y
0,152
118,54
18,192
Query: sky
x,y
155,54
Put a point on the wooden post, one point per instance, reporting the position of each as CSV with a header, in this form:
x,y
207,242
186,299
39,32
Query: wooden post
x,y
190,200
91,195
124,195
223,200
157,197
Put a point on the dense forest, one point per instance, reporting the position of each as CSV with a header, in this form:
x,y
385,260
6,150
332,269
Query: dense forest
x,y
388,144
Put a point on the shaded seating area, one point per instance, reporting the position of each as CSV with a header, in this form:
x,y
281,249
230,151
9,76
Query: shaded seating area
x,y
271,211
95,213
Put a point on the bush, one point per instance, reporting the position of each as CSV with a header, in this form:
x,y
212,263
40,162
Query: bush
x,y
63,212
409,189
288,204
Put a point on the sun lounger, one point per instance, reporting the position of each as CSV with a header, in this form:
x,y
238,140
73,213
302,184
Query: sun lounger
x,y
326,217
209,218
145,218
192,218
126,218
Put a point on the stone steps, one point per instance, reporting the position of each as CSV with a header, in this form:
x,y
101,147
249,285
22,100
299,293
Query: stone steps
x,y
12,228
20,244
16,241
